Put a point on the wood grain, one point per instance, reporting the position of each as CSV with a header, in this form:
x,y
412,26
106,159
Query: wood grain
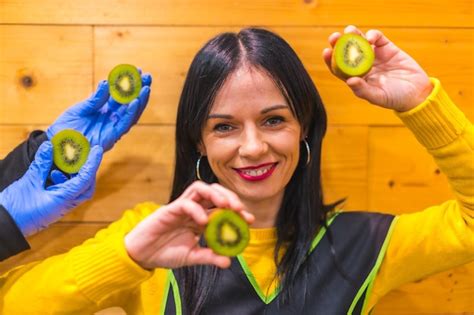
x,y
44,70
434,13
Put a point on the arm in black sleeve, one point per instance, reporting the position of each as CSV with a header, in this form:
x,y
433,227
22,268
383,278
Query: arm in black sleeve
x,y
16,163
13,167
12,240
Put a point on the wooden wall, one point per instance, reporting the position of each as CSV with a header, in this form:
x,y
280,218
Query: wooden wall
x,y
54,52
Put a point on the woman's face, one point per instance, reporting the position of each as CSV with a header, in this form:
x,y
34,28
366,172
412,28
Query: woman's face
x,y
251,138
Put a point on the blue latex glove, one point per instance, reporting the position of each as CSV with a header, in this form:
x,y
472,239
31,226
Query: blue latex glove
x,y
102,120
32,206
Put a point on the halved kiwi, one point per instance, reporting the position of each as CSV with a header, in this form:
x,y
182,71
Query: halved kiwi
x,y
226,233
352,56
70,150
125,83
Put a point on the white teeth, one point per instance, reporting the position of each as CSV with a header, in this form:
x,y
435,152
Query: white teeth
x,y
258,172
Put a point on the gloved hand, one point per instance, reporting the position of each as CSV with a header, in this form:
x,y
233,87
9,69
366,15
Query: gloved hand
x,y
101,119
32,206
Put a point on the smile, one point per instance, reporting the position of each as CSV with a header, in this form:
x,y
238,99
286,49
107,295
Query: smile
x,y
257,173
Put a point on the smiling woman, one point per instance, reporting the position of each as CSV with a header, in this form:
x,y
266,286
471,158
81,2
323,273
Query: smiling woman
x,y
251,144
249,131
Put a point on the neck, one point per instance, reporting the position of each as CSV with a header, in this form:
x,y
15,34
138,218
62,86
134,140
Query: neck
x,y
265,211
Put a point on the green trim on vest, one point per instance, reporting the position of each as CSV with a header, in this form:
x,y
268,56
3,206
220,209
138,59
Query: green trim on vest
x,y
165,294
177,297
383,250
268,299
369,281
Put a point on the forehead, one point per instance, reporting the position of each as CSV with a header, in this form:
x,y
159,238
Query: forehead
x,y
245,89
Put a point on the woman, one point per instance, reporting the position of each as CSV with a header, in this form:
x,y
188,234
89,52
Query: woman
x,y
250,125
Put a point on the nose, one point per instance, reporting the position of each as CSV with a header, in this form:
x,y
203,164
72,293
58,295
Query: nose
x,y
252,144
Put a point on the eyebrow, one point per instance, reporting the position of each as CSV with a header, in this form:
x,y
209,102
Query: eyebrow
x,y
263,111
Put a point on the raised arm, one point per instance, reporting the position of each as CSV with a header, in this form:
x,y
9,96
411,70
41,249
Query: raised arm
x,y
442,236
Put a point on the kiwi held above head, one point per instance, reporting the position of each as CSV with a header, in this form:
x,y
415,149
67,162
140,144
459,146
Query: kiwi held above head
x,y
226,233
125,83
70,150
352,56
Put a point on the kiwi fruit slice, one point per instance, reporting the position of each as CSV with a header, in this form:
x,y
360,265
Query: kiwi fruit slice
x,y
70,150
226,233
125,83
352,56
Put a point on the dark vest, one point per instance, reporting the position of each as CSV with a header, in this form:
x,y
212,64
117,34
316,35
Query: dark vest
x,y
358,240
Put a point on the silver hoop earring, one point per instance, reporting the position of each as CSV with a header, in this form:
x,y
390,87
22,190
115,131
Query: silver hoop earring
x,y
198,163
308,151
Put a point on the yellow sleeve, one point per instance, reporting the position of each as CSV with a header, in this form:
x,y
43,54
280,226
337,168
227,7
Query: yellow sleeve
x,y
90,277
440,237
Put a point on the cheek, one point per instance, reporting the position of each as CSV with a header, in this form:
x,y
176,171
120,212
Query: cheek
x,y
287,145
220,152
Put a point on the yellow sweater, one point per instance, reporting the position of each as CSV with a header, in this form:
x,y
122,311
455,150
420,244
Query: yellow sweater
x,y
99,273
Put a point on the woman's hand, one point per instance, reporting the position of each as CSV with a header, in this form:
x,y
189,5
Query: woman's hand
x,y
168,238
395,81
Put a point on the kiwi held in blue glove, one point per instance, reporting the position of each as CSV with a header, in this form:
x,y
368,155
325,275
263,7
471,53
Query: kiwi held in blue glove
x,y
70,150
125,83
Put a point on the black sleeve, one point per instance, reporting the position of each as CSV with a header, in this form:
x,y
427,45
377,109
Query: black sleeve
x,y
16,163
12,240
13,167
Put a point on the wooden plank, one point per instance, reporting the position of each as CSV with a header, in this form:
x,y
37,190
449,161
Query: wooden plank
x,y
56,239
344,166
434,13
402,176
137,169
45,69
166,52
447,293
140,166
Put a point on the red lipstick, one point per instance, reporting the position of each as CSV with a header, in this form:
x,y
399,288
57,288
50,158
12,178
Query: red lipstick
x,y
243,172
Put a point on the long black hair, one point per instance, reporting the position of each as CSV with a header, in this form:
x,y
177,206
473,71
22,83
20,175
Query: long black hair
x,y
299,218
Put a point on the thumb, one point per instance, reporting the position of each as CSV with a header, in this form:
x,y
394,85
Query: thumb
x,y
58,177
86,175
41,165
97,100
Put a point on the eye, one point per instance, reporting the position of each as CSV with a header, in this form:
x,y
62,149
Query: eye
x,y
223,128
274,120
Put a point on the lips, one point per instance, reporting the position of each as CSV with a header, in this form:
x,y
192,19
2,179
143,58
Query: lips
x,y
256,173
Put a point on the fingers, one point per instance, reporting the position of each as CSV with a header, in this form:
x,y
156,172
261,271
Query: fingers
x,y
333,38
143,101
362,89
235,202
58,177
125,122
205,256
41,166
209,197
86,175
87,194
97,100
327,55
351,29
377,38
215,195
146,79
193,210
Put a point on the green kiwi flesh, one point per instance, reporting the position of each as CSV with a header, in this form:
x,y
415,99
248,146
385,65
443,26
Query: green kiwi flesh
x,y
353,56
226,233
125,83
70,150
